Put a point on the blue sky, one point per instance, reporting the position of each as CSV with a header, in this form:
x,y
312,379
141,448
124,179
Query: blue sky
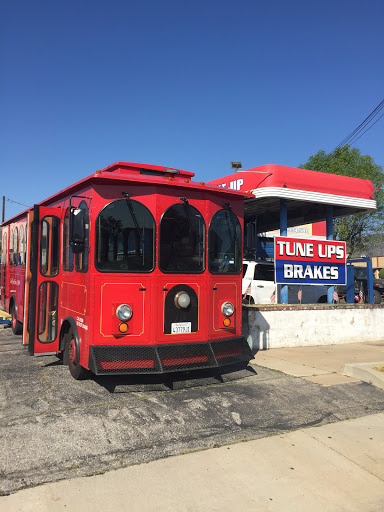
x,y
193,85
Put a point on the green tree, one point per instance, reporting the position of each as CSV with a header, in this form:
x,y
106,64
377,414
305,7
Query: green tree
x,y
361,229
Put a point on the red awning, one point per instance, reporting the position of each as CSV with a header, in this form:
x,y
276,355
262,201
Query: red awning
x,y
306,193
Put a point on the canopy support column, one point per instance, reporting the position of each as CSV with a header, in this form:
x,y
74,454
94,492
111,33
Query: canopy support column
x,y
329,224
283,232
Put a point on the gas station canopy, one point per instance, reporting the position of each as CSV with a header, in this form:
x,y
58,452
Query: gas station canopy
x,y
306,194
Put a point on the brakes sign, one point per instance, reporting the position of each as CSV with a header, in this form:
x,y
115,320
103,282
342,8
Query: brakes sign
x,y
303,261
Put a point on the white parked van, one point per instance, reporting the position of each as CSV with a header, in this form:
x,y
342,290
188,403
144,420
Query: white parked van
x,y
259,286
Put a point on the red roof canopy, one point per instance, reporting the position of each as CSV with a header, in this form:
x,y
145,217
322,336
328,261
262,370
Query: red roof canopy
x,y
306,193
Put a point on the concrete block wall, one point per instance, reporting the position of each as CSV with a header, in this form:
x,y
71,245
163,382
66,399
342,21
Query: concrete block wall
x,y
289,326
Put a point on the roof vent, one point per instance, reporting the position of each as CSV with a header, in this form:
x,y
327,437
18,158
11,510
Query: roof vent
x,y
172,171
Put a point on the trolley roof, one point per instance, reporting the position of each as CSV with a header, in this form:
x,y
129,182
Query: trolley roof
x,y
135,172
306,193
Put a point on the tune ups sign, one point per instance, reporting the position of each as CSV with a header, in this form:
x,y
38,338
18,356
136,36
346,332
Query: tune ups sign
x,y
303,261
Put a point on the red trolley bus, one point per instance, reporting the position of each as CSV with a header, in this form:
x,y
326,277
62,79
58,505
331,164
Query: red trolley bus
x,y
134,269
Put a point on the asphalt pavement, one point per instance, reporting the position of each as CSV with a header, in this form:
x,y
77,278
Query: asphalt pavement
x,y
288,432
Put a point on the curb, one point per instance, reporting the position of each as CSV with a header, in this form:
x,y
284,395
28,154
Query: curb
x,y
366,373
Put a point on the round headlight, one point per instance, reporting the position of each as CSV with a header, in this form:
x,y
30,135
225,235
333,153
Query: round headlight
x,y
182,300
124,312
227,309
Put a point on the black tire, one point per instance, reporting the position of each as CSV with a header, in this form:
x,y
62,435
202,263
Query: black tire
x,y
17,327
71,358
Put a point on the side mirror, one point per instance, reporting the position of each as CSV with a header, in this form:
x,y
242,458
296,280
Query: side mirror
x,y
77,230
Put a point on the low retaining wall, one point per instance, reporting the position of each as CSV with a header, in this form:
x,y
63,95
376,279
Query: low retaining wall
x,y
297,326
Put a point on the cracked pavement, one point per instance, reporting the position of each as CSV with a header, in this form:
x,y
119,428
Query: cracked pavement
x,y
53,427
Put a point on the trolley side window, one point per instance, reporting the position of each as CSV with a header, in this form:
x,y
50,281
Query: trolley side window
x,y
68,256
25,243
182,240
81,258
21,246
10,248
224,243
4,251
49,246
125,237
15,246
47,309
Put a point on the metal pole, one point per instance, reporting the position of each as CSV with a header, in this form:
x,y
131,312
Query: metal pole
x,y
2,217
350,291
370,280
283,232
329,221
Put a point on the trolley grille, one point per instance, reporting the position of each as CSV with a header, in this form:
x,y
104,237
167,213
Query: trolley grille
x,y
167,358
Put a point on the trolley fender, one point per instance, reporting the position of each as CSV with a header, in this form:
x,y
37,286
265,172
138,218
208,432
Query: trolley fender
x,y
71,321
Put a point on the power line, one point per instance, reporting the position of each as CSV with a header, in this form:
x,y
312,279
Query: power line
x,y
16,202
365,125
372,125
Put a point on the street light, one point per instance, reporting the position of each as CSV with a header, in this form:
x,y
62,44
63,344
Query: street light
x,y
236,165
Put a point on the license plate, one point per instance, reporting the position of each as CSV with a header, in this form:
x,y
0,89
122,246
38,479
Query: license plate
x,y
180,327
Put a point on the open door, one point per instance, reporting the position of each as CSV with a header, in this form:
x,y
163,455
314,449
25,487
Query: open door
x,y
43,285
28,277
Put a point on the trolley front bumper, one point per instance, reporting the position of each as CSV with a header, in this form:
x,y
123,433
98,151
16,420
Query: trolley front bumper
x,y
160,359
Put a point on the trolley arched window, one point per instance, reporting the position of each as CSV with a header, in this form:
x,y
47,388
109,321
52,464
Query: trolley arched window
x,y
81,258
11,247
15,246
125,237
182,240
25,243
21,246
49,246
68,256
4,251
224,243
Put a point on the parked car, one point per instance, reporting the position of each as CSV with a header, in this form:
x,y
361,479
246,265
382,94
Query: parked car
x,y
360,284
259,287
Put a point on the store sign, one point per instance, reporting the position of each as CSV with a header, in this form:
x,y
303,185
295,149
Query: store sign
x,y
303,261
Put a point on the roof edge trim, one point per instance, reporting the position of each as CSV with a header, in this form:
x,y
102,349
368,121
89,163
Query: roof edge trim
x,y
317,197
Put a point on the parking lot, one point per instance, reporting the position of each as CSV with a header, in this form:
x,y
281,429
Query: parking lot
x,y
53,427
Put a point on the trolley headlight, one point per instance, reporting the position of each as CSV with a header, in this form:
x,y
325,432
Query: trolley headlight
x,y
182,300
124,312
227,309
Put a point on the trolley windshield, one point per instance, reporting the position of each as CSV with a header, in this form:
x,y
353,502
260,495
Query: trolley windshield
x,y
182,240
225,243
125,237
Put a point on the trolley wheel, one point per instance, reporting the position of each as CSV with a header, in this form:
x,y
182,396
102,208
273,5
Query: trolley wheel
x,y
75,369
17,327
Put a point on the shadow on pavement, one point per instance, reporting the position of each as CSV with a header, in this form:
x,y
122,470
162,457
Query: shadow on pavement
x,y
173,381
